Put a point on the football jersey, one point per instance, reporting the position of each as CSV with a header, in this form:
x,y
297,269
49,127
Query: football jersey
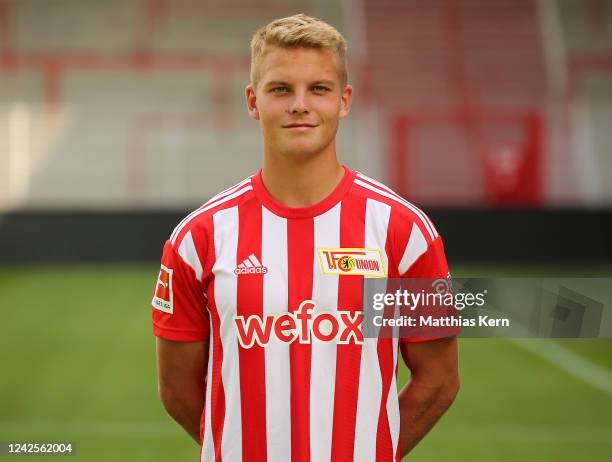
x,y
276,290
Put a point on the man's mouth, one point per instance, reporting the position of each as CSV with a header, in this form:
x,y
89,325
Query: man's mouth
x,y
299,127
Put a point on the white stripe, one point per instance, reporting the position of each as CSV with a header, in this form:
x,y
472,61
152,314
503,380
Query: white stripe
x,y
210,201
323,354
254,259
370,379
384,191
277,363
188,253
241,265
416,246
368,402
376,225
200,211
570,362
207,443
226,245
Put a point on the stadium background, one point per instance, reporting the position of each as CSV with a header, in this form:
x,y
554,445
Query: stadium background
x,y
117,117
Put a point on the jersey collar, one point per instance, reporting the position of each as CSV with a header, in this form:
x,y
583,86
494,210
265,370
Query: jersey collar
x,y
303,212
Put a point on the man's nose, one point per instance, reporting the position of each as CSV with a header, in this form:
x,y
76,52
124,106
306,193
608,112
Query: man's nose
x,y
299,104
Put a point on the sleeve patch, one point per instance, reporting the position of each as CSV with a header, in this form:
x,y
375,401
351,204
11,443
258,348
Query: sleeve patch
x,y
162,300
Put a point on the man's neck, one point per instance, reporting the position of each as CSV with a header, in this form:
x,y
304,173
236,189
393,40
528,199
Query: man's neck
x,y
301,183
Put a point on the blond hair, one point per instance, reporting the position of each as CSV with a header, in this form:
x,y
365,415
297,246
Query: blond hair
x,y
298,31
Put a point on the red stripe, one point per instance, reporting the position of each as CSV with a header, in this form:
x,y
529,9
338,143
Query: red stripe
x,y
252,360
300,253
352,222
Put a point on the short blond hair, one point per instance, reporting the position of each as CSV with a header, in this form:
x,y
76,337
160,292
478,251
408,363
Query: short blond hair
x,y
298,31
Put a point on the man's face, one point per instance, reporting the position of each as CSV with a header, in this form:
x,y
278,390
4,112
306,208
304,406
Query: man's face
x,y
298,100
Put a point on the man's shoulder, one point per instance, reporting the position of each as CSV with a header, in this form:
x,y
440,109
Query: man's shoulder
x,y
402,209
378,191
196,221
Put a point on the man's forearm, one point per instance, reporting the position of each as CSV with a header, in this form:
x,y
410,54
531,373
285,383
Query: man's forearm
x,y
421,405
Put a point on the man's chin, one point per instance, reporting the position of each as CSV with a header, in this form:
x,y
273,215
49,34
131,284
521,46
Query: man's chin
x,y
302,152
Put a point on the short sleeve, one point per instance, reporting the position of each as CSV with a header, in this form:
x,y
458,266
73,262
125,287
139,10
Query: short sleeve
x,y
432,265
179,308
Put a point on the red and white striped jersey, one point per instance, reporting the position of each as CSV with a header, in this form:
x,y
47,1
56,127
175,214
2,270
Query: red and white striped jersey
x,y
243,271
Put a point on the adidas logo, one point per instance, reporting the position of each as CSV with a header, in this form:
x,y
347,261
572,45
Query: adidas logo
x,y
251,265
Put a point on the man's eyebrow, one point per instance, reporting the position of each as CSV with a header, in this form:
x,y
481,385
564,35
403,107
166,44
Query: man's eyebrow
x,y
286,84
277,82
324,82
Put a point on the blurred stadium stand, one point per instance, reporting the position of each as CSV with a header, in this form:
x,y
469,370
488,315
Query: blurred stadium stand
x,y
122,115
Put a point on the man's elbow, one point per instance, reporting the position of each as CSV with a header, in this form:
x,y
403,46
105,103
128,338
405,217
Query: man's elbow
x,y
170,399
449,390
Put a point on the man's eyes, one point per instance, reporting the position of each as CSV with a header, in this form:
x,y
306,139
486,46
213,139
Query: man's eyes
x,y
315,88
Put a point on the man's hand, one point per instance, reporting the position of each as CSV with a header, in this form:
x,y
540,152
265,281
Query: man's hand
x,y
181,368
432,388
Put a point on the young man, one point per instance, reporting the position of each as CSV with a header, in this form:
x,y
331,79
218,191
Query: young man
x,y
249,363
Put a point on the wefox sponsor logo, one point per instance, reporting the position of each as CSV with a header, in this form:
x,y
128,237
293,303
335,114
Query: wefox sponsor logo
x,y
352,261
302,325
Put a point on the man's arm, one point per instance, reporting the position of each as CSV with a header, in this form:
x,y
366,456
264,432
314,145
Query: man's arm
x,y
432,388
181,368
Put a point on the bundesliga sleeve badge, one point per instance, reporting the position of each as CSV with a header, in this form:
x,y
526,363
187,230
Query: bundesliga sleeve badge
x,y
162,300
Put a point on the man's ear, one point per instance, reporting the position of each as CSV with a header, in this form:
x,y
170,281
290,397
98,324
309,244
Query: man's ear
x,y
345,101
251,101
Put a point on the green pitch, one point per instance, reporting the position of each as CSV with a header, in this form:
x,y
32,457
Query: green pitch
x,y
78,364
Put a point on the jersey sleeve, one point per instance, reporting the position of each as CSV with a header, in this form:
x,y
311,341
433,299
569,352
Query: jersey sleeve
x,y
179,305
431,264
431,267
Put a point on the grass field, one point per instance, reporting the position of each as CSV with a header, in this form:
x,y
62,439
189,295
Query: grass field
x,y
77,356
